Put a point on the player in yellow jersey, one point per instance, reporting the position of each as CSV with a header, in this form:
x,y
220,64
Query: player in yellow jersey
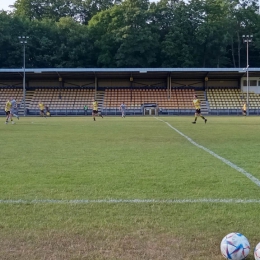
x,y
244,109
41,107
196,103
95,110
8,106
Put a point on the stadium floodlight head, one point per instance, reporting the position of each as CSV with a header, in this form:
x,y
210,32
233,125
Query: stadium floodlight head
x,y
23,40
247,38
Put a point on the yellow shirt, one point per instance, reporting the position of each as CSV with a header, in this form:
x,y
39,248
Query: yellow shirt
x,y
8,106
196,103
95,105
244,107
41,106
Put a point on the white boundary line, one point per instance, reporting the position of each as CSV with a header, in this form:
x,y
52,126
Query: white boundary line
x,y
132,201
232,165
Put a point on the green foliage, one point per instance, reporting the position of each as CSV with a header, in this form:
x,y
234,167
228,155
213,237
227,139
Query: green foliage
x,y
103,33
80,10
10,29
179,44
130,33
136,41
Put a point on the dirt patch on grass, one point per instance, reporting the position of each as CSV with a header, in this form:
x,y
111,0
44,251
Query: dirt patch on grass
x,y
103,244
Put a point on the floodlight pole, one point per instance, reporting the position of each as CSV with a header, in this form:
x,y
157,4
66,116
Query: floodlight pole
x,y
247,39
23,40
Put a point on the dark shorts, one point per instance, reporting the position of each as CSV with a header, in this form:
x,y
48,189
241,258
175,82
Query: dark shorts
x,y
7,113
244,111
42,111
198,111
94,111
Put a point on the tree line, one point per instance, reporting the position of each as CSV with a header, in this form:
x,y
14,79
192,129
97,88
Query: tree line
x,y
130,33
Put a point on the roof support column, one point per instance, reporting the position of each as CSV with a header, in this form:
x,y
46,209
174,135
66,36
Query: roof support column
x,y
61,82
170,83
96,86
206,83
169,86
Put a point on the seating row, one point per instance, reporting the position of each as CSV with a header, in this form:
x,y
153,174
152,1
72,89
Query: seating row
x,y
133,98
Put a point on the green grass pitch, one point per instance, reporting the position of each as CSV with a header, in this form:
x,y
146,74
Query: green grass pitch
x,y
77,180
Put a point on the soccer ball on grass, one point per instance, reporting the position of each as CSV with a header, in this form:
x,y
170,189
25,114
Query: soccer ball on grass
x,y
235,246
257,252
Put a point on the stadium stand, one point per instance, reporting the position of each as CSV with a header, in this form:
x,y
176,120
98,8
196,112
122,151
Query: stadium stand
x,y
7,93
60,101
176,99
70,101
230,101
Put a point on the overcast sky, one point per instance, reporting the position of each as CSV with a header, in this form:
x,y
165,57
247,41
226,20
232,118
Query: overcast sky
x,y
4,4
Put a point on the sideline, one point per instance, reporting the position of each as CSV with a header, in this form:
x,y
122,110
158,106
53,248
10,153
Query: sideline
x,y
132,201
232,165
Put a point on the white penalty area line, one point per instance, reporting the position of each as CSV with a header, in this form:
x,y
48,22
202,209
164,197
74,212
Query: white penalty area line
x,y
132,201
232,165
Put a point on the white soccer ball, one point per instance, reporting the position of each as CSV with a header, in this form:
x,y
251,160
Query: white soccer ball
x,y
257,252
235,246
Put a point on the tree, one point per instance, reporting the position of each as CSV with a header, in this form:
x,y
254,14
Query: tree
x,y
10,48
178,44
102,34
90,8
130,33
123,36
75,46
79,10
212,34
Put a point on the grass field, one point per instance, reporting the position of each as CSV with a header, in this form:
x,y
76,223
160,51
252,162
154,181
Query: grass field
x,y
132,188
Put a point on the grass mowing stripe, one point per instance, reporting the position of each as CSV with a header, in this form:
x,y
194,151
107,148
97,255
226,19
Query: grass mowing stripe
x,y
132,201
232,165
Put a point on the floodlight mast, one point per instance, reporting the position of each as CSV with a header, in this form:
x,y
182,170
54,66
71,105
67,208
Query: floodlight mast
x,y
247,39
23,40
